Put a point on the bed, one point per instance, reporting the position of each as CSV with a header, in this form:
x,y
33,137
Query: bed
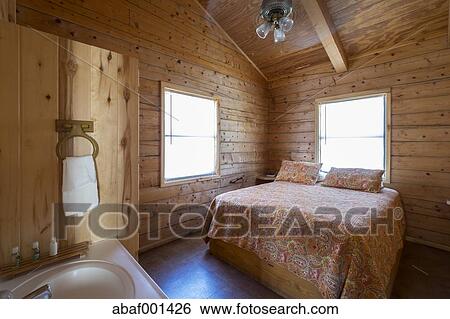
x,y
307,241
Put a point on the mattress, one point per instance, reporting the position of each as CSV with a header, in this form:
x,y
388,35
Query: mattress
x,y
344,242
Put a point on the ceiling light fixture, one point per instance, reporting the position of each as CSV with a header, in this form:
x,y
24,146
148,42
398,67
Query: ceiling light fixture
x,y
276,15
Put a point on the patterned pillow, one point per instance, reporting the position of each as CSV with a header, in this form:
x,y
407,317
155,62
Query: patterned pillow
x,y
299,172
366,180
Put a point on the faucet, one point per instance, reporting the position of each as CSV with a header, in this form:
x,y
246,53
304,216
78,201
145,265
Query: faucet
x,y
36,251
44,292
17,256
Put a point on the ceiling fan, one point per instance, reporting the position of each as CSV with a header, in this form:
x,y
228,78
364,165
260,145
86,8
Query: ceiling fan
x,y
276,15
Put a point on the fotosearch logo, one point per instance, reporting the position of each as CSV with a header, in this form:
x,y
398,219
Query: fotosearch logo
x,y
106,221
153,221
262,222
123,221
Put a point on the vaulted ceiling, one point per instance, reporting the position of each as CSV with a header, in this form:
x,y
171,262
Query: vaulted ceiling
x,y
362,27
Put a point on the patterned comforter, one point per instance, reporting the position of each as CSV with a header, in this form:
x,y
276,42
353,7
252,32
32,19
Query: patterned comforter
x,y
344,242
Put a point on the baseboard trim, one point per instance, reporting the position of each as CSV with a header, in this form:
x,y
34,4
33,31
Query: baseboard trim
x,y
427,243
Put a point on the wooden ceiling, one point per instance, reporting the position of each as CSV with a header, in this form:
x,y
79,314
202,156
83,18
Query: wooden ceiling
x,y
362,26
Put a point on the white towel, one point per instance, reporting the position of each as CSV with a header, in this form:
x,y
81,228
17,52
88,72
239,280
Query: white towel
x,y
79,185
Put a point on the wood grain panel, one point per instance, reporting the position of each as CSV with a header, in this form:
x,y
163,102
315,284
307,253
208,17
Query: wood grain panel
x,y
27,146
149,40
128,144
103,88
431,223
418,77
326,31
9,140
8,10
75,102
430,237
427,208
394,21
366,29
182,45
264,53
38,162
437,164
104,111
179,44
269,274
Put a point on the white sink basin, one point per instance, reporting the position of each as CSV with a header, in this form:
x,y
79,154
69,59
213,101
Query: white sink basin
x,y
106,271
84,279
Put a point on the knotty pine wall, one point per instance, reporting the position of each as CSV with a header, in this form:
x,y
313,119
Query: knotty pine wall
x,y
100,85
28,162
417,72
36,89
175,42
8,10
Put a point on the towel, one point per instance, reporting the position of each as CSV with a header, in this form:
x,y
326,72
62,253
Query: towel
x,y
79,185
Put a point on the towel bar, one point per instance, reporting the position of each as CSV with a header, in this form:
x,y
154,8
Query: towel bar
x,y
75,129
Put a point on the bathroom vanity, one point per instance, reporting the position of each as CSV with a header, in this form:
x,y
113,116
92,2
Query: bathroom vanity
x,y
107,271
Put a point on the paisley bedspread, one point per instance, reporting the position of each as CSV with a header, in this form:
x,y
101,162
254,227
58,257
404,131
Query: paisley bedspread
x,y
344,242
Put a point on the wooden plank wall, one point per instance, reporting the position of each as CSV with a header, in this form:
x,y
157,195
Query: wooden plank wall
x,y
418,73
9,141
175,42
29,107
101,85
8,10
39,86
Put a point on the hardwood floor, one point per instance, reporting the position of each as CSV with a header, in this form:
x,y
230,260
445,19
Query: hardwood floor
x,y
185,269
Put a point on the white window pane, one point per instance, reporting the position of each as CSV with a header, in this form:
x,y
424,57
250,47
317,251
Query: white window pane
x,y
362,117
352,133
190,129
352,153
187,157
188,115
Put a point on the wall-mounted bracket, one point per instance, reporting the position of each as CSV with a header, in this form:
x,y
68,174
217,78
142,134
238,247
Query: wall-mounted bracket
x,y
67,126
73,129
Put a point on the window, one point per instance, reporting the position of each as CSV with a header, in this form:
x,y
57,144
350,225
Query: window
x,y
189,136
354,132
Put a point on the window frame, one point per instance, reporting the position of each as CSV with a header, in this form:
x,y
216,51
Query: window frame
x,y
357,96
194,93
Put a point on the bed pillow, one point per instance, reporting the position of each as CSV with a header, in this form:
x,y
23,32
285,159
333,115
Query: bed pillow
x,y
367,180
299,172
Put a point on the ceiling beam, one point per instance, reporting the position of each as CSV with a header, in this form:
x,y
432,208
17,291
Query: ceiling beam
x,y
320,18
8,10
